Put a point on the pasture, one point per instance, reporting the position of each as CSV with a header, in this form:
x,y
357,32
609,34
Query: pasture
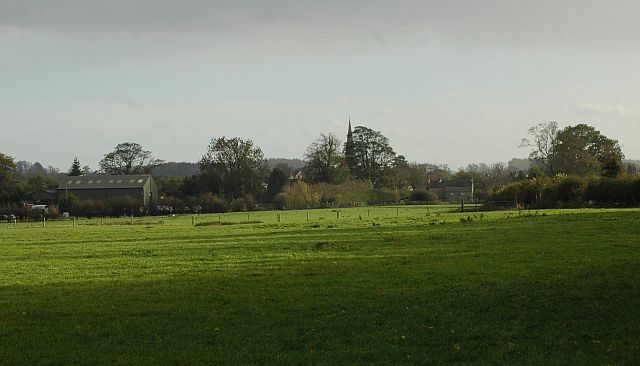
x,y
390,285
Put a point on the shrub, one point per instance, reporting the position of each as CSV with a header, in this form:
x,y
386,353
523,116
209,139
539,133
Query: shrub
x,y
566,189
526,192
569,191
422,196
238,204
124,205
281,200
384,195
172,204
617,192
301,195
211,203
53,213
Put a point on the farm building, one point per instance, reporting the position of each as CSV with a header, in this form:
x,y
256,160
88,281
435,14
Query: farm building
x,y
452,189
107,187
42,197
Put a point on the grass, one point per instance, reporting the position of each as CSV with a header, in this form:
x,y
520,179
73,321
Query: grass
x,y
393,287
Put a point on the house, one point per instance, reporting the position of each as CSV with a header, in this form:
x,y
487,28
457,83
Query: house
x,y
452,189
296,176
107,187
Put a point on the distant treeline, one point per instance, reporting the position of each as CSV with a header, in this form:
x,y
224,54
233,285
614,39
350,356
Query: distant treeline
x,y
576,165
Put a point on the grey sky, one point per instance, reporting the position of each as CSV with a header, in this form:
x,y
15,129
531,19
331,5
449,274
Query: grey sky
x,y
447,81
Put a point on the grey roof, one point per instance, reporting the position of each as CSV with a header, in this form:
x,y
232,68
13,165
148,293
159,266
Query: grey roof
x,y
41,195
104,182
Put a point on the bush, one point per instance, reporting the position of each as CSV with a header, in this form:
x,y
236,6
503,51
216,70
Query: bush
x,y
422,196
564,191
613,192
211,203
530,192
124,205
384,195
67,202
571,191
53,213
281,200
238,204
172,204
300,195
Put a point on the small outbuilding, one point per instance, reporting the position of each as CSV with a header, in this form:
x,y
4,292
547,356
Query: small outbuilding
x,y
42,197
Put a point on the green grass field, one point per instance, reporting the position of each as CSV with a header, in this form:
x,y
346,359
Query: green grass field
x,y
405,285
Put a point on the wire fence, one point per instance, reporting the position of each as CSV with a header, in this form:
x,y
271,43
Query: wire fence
x,y
252,217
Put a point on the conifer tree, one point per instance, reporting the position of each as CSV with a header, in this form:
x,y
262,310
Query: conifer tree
x,y
76,169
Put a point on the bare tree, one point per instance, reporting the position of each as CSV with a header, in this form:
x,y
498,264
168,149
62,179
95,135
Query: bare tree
x,y
543,141
324,161
128,158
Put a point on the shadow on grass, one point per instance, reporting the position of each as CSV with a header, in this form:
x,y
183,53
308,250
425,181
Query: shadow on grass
x,y
309,314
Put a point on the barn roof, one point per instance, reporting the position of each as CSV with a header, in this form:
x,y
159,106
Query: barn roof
x,y
104,182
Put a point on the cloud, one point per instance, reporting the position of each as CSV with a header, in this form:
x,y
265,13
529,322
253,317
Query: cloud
x,y
10,32
379,38
596,22
344,100
604,109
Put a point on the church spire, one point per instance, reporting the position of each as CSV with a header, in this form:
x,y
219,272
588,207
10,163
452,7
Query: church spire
x,y
349,152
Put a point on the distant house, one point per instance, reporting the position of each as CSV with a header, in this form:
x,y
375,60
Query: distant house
x,y
296,176
452,189
42,197
106,187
